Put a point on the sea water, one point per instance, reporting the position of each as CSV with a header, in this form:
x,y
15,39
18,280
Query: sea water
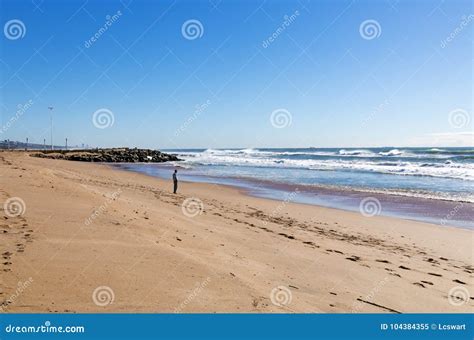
x,y
428,184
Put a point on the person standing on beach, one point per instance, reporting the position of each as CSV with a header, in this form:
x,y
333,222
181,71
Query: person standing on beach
x,y
175,181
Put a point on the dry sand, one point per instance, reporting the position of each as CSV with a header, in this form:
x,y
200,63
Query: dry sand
x,y
90,228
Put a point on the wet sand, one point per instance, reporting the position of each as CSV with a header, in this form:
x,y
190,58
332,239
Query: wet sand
x,y
91,238
401,205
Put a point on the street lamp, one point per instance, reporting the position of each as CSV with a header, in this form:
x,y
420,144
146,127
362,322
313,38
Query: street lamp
x,y
51,121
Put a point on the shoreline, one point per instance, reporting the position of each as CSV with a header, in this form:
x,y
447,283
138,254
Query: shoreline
x,y
152,250
438,211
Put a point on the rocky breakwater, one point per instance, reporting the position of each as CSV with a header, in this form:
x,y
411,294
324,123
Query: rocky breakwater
x,y
114,155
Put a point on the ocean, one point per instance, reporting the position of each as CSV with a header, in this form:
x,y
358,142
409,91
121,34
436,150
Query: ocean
x,y
427,184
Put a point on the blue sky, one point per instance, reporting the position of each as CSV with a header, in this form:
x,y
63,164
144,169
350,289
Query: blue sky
x,y
408,82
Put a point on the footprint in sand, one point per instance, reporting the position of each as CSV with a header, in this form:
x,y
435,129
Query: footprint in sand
x,y
353,258
403,267
20,248
287,236
334,251
382,261
459,281
434,274
310,243
431,260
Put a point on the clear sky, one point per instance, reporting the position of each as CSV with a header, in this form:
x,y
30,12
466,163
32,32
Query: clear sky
x,y
404,78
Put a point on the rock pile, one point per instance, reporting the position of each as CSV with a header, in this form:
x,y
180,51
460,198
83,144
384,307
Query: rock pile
x,y
113,155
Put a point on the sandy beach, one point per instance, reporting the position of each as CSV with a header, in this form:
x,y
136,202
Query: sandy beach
x,y
96,239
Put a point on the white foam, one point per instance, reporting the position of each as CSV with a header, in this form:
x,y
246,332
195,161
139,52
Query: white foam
x,y
394,152
363,153
251,157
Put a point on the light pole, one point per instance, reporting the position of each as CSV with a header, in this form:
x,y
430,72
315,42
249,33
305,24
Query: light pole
x,y
66,144
51,121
